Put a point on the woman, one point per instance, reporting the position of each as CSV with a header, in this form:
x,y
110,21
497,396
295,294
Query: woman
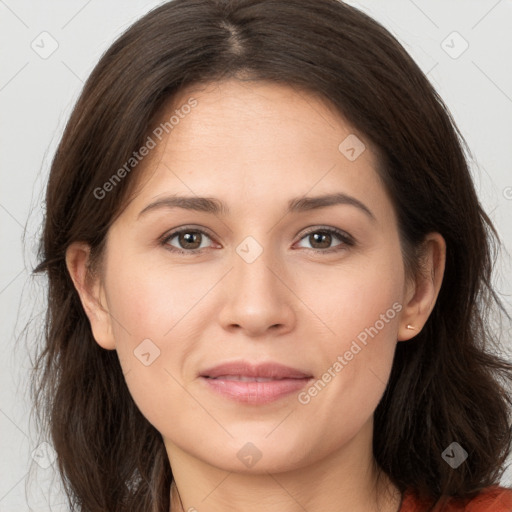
x,y
269,275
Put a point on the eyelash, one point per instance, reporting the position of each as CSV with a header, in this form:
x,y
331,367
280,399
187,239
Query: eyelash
x,y
347,240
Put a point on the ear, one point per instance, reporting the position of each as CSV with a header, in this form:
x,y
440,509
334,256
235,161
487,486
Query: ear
x,y
421,295
92,296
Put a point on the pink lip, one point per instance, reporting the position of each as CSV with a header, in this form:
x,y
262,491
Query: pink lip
x,y
284,380
246,369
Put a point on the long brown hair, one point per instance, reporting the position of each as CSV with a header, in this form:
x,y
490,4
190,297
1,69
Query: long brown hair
x,y
446,385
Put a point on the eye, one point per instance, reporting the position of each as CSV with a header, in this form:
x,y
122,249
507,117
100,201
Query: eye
x,y
188,239
324,236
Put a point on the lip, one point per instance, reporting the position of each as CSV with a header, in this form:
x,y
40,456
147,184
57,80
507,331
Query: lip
x,y
270,370
237,381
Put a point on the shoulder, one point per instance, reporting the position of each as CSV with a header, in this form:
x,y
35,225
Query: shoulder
x,y
490,499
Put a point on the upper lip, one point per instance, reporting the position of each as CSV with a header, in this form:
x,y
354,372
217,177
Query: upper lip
x,y
245,369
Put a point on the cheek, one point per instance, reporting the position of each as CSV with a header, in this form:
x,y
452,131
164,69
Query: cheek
x,y
149,300
359,314
156,319
347,299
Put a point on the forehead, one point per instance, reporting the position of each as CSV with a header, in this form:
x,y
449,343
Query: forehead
x,y
256,141
254,114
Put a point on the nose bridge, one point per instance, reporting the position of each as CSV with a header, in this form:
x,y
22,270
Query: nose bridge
x,y
256,299
253,262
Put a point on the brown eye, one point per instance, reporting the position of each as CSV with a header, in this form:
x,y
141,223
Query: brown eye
x,y
321,240
187,240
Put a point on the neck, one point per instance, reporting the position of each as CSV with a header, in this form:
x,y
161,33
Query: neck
x,y
389,500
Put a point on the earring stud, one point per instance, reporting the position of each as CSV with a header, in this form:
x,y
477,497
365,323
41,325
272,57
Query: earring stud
x,y
410,326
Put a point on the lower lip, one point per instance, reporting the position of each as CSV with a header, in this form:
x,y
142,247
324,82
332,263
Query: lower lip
x,y
255,392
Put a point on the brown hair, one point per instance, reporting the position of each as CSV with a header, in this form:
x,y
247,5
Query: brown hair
x,y
446,385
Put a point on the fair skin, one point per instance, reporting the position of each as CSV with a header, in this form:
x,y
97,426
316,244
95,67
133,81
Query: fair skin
x,y
254,146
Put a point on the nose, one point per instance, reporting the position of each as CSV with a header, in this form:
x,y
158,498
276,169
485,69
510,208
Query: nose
x,y
259,298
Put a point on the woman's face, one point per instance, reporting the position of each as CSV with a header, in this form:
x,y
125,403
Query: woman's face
x,y
257,282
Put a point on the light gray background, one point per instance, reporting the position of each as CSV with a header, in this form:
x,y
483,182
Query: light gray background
x,y
36,97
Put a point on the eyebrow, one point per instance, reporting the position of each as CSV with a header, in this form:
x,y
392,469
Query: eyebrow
x,y
217,207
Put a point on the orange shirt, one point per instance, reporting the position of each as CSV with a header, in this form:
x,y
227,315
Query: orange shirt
x,y
491,499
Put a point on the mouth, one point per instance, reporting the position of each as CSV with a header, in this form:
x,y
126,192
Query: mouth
x,y
243,378
254,384
268,370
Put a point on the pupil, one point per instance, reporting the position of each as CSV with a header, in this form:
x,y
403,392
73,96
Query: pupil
x,y
189,238
316,236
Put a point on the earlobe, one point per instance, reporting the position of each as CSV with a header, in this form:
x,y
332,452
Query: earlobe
x,y
91,293
425,289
